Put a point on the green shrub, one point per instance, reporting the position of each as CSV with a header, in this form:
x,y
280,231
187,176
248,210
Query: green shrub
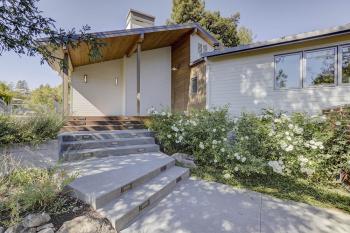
x,y
32,129
31,190
299,145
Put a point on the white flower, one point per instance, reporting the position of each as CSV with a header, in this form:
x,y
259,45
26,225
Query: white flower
x,y
289,138
180,138
214,130
224,139
150,110
277,120
222,149
236,169
163,113
286,133
169,114
243,159
337,123
246,137
174,128
270,133
215,161
215,142
276,166
290,126
289,148
227,176
169,135
223,130
201,145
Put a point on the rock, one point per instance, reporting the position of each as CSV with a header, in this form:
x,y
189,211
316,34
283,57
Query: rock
x,y
43,227
35,220
15,229
28,230
47,230
185,159
85,224
2,230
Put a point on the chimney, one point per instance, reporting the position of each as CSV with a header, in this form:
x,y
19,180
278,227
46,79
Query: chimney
x,y
138,19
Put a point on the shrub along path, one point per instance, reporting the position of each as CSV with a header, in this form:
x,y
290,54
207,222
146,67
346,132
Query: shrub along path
x,y
207,207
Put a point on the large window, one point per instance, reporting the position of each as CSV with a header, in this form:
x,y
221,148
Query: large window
x,y
288,71
320,67
345,64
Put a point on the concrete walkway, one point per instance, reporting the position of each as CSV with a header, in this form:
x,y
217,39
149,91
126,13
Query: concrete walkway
x,y
198,206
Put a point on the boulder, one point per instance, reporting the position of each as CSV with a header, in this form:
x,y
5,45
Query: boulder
x,y
185,159
15,229
85,224
44,227
35,220
2,230
47,230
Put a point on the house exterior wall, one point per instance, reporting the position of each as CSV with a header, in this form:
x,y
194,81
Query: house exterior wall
x,y
101,96
196,40
198,100
246,82
155,81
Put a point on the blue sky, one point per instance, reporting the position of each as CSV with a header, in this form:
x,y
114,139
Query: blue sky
x,y
266,18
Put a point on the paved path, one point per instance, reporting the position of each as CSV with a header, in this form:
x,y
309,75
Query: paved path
x,y
198,206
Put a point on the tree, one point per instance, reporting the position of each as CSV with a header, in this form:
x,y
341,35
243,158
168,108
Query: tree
x,y
5,93
45,95
223,28
22,85
245,35
22,23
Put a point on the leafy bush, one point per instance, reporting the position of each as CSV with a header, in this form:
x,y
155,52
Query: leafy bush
x,y
33,129
299,145
30,190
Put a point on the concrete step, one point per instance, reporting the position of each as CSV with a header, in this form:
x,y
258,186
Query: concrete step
x,y
101,127
103,152
104,143
102,180
102,135
106,122
106,118
124,210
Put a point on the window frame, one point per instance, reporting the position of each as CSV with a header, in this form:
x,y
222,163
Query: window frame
x,y
336,64
300,71
340,65
191,90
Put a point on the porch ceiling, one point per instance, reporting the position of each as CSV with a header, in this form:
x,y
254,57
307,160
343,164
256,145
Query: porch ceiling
x,y
119,45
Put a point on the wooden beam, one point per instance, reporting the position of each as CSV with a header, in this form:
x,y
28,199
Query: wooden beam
x,y
138,78
133,47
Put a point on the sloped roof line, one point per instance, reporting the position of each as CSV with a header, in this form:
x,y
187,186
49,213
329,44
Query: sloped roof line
x,y
344,29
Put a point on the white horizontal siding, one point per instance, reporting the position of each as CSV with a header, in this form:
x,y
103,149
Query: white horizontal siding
x,y
247,84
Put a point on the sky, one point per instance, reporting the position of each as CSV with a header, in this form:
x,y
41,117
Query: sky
x,y
267,19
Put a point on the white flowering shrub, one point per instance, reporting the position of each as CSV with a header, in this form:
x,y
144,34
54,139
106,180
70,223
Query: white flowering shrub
x,y
312,147
202,134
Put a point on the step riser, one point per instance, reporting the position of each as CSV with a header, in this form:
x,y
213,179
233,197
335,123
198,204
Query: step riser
x,y
124,221
104,144
98,203
101,128
107,118
105,153
87,123
102,136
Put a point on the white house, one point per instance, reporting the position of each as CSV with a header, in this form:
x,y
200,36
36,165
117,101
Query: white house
x,y
180,67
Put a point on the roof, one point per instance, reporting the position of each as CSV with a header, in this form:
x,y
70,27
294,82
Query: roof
x,y
120,42
339,30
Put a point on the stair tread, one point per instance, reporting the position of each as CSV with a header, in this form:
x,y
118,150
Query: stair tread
x,y
106,132
82,151
135,197
99,176
105,140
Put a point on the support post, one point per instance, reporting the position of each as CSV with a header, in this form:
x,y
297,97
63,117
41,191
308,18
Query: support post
x,y
65,84
138,76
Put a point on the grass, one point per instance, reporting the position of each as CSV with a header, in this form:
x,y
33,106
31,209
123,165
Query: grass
x,y
326,196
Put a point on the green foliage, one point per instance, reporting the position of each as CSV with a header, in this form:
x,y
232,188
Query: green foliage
x,y
45,96
5,92
223,28
245,35
31,190
300,146
22,23
33,129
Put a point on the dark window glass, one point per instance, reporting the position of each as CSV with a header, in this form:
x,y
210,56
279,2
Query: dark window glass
x,y
194,85
287,71
320,67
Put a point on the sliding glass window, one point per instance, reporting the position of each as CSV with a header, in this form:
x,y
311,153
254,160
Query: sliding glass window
x,y
345,64
320,67
288,71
